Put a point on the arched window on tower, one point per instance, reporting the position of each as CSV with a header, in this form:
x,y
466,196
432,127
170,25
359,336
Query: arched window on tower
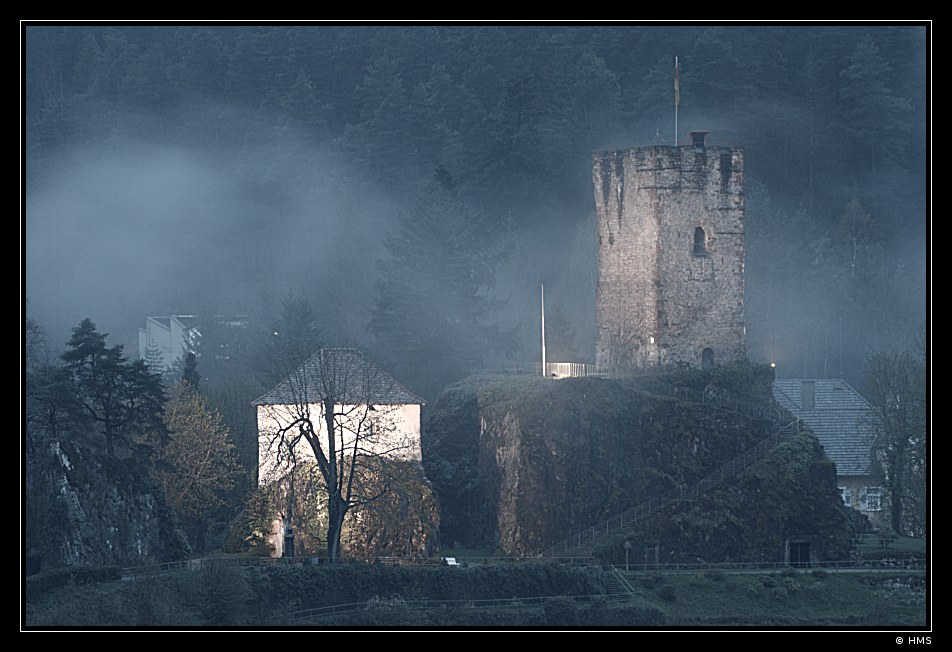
x,y
707,358
700,242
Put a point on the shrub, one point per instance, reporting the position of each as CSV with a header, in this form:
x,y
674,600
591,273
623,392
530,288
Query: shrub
x,y
631,615
715,575
668,593
49,579
225,594
560,610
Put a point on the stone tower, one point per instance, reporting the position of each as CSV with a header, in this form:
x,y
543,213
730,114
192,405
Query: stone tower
x,y
671,256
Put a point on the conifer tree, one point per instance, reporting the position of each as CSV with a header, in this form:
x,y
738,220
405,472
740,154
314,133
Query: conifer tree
x,y
433,317
125,399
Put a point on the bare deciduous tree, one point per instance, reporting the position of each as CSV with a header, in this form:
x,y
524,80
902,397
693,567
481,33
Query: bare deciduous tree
x,y
346,414
896,388
200,465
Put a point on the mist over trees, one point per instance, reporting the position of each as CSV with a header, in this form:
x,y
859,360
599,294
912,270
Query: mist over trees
x,y
218,170
432,299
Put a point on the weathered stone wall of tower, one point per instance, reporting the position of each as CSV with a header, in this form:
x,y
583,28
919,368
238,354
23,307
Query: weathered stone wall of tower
x,y
667,291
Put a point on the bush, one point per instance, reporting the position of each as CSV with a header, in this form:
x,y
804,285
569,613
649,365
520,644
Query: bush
x,y
715,575
225,594
667,593
631,615
560,610
49,579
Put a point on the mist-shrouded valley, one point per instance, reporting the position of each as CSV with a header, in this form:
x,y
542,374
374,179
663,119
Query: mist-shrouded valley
x,y
406,190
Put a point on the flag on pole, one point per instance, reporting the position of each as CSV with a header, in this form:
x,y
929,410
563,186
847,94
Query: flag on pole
x,y
677,89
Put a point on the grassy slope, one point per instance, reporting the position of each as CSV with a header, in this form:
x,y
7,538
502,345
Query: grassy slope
x,y
693,600
798,600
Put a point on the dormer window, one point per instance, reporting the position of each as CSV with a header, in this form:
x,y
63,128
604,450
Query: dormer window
x,y
700,242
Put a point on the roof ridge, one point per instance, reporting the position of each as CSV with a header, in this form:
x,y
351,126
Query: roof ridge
x,y
384,387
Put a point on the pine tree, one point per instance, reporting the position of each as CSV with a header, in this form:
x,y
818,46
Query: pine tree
x,y
125,399
896,386
878,117
433,318
190,373
153,357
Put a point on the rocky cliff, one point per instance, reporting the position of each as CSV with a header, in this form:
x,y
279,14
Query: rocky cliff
x,y
85,508
520,462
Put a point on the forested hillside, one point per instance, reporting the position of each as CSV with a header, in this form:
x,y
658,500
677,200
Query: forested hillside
x,y
216,169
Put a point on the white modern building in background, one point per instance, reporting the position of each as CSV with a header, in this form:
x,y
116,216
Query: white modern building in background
x,y
165,340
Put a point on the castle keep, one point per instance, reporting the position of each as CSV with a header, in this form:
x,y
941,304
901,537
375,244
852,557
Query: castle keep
x,y
671,256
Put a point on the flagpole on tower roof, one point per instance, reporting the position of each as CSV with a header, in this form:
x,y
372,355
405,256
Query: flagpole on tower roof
x,y
677,100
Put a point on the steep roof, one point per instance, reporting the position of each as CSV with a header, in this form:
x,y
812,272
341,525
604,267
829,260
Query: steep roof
x,y
349,373
841,419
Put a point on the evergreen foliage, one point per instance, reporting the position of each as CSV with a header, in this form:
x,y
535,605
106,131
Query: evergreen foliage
x,y
826,113
791,492
433,314
124,398
520,462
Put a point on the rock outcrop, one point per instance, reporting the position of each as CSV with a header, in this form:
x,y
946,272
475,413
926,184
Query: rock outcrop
x,y
518,462
85,508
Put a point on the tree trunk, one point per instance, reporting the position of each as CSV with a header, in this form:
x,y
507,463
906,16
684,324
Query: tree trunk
x,y
335,522
897,491
200,526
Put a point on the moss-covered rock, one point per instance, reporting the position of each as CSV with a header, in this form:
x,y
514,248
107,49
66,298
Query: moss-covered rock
x,y
86,508
790,494
521,462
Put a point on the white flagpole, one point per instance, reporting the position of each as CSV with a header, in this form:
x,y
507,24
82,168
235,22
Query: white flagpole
x,y
677,100
543,329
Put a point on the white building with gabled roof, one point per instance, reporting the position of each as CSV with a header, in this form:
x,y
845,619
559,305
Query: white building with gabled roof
x,y
373,413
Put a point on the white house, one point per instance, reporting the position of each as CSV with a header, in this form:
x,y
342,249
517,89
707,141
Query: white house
x,y
372,413
843,421
165,340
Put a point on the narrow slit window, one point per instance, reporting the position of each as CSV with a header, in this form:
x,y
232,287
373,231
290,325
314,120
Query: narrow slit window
x,y
700,242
